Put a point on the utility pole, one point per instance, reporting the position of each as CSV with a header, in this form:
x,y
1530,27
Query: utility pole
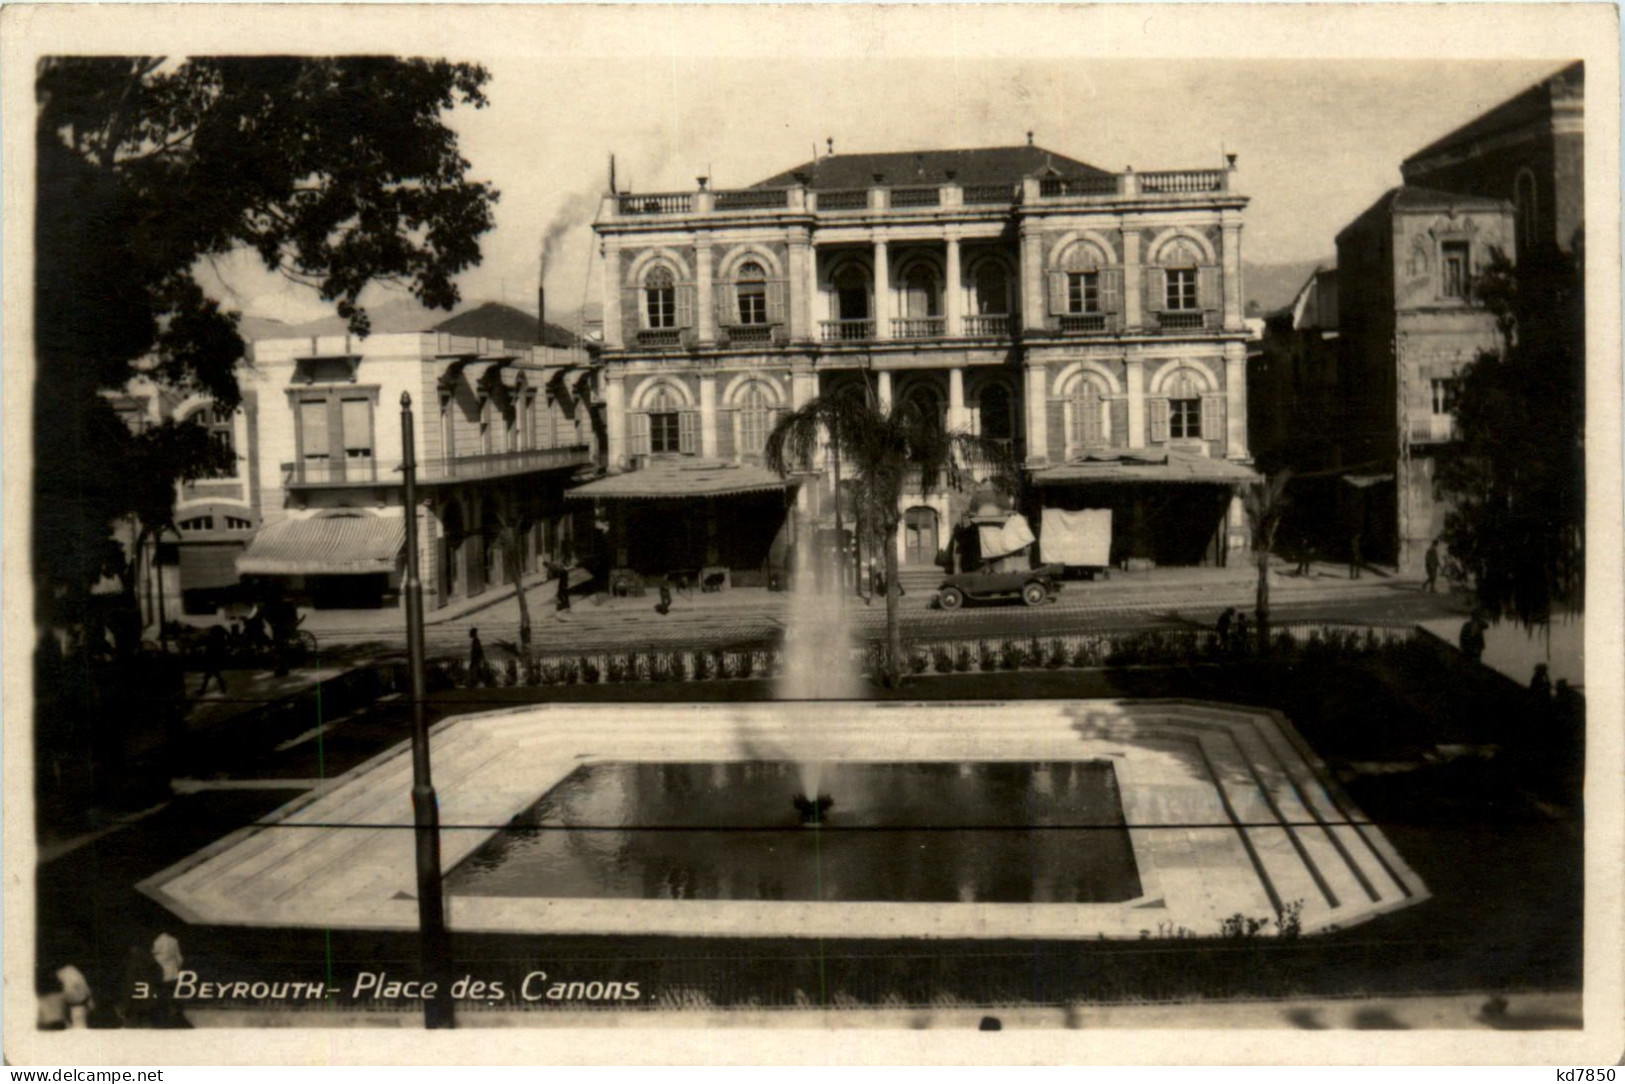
x,y
433,942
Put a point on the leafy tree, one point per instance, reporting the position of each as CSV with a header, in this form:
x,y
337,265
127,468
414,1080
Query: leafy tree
x,y
1264,501
510,539
885,450
1516,473
336,172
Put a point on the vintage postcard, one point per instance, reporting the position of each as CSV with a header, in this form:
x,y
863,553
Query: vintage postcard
x,y
785,533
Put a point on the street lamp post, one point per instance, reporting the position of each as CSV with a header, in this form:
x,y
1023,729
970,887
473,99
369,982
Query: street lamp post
x,y
434,945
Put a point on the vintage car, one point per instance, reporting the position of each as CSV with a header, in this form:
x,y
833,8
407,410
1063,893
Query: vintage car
x,y
1034,586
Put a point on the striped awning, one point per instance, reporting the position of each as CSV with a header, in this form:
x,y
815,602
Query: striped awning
x,y
332,545
675,479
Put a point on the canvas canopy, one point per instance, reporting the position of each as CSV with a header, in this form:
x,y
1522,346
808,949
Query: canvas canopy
x,y
1081,538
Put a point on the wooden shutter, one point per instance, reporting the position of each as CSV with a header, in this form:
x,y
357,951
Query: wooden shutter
x,y
775,301
1207,289
1213,418
688,432
1119,420
1057,292
1111,290
1159,420
1086,420
685,305
723,296
640,434
632,315
725,433
1055,428
1156,289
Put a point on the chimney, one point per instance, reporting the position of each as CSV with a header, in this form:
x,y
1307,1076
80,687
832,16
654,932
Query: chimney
x,y
541,296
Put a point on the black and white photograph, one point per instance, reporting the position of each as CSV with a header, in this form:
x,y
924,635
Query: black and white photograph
x,y
759,521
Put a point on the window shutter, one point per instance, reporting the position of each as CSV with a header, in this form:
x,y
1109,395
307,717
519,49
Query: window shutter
x,y
1055,418
727,311
1057,292
685,305
688,432
725,433
632,315
1111,290
1159,421
1213,418
1119,420
1207,287
1156,289
1087,421
640,434
775,301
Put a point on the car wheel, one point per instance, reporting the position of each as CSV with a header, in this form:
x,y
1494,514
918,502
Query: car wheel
x,y
951,598
1034,594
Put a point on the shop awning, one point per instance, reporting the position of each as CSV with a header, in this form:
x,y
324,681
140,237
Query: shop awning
x,y
1144,465
209,565
349,545
1366,481
676,479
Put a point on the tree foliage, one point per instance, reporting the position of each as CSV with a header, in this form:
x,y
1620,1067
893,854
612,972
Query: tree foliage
x,y
1264,501
336,172
886,450
1516,473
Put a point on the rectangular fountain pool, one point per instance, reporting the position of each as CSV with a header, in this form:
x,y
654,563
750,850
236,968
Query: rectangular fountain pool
x,y
991,832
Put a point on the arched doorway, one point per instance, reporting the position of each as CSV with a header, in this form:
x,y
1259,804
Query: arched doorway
x,y
450,559
920,537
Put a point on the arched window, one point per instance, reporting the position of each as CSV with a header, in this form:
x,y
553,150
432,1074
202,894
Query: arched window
x,y
851,293
755,418
660,299
921,291
1184,406
665,420
1524,199
994,412
992,289
928,404
1088,418
1179,259
221,428
751,291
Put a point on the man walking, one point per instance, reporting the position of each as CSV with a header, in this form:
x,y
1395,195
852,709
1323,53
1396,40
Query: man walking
x,y
476,658
562,571
1431,561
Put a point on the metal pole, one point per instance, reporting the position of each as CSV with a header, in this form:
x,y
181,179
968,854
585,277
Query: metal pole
x,y
434,945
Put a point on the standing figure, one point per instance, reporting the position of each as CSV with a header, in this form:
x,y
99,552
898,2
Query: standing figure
x,y
476,658
1223,626
1355,558
562,571
664,606
1431,562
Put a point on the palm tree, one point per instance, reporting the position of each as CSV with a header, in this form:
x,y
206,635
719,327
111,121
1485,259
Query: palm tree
x,y
885,449
1264,501
509,538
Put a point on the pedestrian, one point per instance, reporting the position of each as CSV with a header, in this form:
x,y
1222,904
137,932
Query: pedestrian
x,y
1355,559
1431,562
214,658
663,607
476,658
1241,633
562,571
1540,684
1305,554
1226,619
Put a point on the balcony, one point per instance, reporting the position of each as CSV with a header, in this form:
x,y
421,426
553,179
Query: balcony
x,y
656,203
666,336
1085,323
919,196
1437,429
844,199
919,327
752,199
1181,182
1062,187
840,331
315,474
987,327
750,334
1174,321
978,195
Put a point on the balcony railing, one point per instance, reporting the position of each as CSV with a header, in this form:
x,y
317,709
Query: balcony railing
x,y
1053,187
656,203
987,326
666,336
847,330
977,194
916,197
844,199
351,472
919,327
1085,323
1438,429
741,334
753,199
1177,320
1184,181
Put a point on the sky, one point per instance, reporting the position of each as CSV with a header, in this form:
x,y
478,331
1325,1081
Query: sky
x,y
1317,140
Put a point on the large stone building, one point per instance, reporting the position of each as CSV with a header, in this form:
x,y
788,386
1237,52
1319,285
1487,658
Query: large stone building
x,y
1092,319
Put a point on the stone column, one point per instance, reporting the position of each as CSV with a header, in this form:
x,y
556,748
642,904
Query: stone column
x,y
1232,276
612,296
803,387
954,291
708,417
798,285
1136,402
1132,297
882,289
1037,414
883,390
957,416
1032,280
615,419
1235,405
705,321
